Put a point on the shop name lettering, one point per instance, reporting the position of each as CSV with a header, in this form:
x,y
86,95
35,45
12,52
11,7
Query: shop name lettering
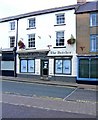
x,y
60,52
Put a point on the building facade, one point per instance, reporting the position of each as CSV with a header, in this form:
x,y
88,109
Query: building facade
x,y
38,46
87,42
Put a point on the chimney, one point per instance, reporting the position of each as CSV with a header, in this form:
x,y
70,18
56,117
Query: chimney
x,y
81,1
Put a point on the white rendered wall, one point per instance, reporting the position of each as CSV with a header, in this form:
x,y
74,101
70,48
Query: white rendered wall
x,y
45,28
6,33
37,66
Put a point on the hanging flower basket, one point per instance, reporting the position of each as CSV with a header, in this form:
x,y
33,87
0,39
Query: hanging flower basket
x,y
21,45
71,40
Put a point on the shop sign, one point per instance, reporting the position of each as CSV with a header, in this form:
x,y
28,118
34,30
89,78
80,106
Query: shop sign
x,y
59,52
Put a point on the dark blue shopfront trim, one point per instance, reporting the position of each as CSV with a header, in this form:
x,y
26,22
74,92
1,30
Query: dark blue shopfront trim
x,y
85,80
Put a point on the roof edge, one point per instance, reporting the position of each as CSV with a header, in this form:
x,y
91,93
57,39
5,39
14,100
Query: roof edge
x,y
39,12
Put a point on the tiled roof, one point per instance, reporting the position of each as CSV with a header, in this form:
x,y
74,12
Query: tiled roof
x,y
87,7
51,10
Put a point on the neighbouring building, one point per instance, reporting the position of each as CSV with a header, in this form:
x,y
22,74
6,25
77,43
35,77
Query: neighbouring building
x,y
87,42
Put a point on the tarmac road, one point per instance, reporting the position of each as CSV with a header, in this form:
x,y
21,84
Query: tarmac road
x,y
63,92
16,111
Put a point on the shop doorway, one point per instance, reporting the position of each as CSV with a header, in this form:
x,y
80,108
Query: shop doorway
x,y
44,68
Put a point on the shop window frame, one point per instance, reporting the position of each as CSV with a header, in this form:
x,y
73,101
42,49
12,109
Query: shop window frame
x,y
89,78
63,66
27,66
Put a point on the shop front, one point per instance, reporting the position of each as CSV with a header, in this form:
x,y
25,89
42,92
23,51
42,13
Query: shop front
x,y
63,64
55,64
8,62
87,69
33,64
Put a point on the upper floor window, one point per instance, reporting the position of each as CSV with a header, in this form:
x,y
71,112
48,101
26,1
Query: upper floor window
x,y
60,38
31,40
94,43
60,19
94,19
12,25
32,23
12,41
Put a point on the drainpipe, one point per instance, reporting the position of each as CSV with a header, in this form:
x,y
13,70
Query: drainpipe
x,y
15,49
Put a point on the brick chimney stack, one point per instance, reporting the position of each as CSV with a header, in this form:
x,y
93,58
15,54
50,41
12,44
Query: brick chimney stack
x,y
81,1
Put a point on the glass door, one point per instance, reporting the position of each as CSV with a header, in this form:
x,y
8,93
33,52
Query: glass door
x,y
44,67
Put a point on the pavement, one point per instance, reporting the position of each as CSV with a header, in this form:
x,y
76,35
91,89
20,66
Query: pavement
x,y
59,83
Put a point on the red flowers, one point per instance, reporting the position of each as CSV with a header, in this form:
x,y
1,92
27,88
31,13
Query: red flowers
x,y
21,44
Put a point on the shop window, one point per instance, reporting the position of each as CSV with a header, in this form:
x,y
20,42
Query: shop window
x,y
93,68
27,66
23,66
63,66
84,68
60,38
31,66
88,68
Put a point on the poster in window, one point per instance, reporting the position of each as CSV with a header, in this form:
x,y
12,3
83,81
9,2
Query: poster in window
x,y
58,66
66,67
23,65
31,66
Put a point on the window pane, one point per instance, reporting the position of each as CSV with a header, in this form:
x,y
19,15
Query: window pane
x,y
31,40
84,68
60,38
12,41
94,68
32,22
7,65
23,65
94,43
58,66
60,19
12,25
31,66
67,66
93,20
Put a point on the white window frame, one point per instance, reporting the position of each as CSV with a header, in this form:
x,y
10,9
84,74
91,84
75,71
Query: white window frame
x,y
32,24
12,25
94,43
60,38
62,68
27,65
31,40
12,41
60,19
94,19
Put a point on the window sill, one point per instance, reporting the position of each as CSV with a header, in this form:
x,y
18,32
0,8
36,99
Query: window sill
x,y
30,48
59,47
31,28
93,26
59,24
